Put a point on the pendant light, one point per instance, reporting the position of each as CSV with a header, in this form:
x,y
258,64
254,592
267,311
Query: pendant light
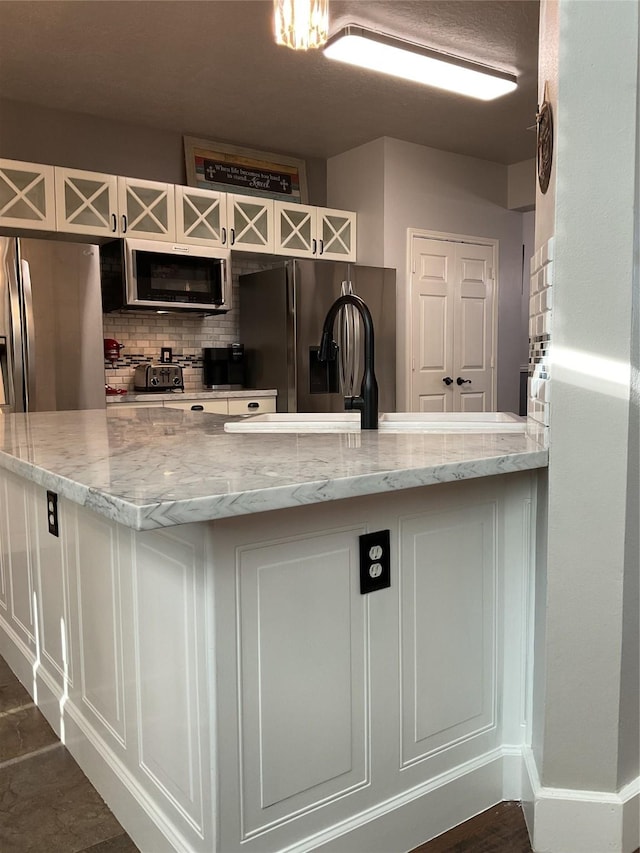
x,y
301,24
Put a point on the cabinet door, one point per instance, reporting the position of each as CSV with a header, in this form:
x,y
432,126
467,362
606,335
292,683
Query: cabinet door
x,y
249,406
201,217
147,209
27,195
295,230
251,223
216,407
86,202
302,675
336,234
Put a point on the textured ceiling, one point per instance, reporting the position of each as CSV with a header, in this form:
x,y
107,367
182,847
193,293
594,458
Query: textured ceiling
x,y
211,68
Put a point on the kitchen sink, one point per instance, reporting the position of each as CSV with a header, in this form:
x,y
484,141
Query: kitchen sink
x,y
450,422
297,422
388,422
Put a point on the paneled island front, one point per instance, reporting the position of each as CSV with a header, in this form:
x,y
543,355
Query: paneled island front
x,y
184,605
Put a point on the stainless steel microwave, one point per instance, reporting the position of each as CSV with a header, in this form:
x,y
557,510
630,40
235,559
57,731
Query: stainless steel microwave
x,y
158,276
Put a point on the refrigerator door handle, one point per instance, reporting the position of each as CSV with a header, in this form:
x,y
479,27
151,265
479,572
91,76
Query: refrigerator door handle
x,y
29,335
16,391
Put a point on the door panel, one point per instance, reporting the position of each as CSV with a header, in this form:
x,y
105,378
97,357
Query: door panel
x,y
452,293
432,326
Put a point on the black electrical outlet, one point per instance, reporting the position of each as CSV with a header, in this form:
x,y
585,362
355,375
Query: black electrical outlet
x,y
375,561
166,355
52,513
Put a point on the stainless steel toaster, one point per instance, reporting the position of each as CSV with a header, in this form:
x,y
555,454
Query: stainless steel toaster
x,y
158,377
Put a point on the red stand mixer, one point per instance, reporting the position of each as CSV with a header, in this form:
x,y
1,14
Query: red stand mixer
x,y
112,353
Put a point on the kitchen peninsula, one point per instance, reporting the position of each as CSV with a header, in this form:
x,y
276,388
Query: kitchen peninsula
x,y
196,635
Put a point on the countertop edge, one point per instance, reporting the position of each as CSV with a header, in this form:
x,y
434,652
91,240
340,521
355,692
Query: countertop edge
x,y
165,514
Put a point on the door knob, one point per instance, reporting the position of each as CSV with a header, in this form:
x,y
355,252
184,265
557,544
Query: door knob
x,y
447,380
462,381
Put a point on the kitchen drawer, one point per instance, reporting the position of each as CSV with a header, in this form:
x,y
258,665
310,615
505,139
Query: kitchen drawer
x,y
251,405
142,405
217,407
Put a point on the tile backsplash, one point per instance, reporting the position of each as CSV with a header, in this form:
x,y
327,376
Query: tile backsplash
x,y
144,333
540,316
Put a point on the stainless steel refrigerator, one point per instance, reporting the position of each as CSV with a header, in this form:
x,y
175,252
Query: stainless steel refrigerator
x,y
51,337
281,315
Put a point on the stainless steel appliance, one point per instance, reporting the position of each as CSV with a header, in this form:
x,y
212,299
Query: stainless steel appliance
x,y
281,315
158,377
223,367
51,337
157,276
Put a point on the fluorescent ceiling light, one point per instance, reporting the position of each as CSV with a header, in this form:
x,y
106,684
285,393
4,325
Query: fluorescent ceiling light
x,y
400,58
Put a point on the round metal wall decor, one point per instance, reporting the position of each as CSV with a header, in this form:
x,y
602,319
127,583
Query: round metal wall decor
x,y
544,154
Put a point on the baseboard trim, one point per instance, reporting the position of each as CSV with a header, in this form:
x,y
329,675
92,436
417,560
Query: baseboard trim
x,y
579,821
425,811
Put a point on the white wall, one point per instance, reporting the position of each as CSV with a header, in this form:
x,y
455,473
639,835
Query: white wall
x,y
521,185
359,175
438,191
61,138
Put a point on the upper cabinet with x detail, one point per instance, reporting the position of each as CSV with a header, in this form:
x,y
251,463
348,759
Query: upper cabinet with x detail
x,y
109,205
304,231
27,195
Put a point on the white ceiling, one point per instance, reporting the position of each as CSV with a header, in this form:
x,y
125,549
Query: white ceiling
x,y
211,68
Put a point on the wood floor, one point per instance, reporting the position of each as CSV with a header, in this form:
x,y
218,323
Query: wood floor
x,y
500,829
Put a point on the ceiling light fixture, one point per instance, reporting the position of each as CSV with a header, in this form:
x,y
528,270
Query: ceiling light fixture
x,y
400,58
301,24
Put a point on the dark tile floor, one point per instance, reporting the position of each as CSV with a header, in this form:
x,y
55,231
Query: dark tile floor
x,y
47,805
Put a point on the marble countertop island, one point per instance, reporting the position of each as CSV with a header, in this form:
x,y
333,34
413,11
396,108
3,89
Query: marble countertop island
x,y
156,467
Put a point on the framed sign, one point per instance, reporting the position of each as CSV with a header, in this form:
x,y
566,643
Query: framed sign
x,y
228,168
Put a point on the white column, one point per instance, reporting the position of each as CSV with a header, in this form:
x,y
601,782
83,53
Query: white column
x,y
592,78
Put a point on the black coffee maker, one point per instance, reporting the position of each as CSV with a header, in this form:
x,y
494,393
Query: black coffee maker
x,y
224,368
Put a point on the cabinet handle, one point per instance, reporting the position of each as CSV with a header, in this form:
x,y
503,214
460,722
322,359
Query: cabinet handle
x,y
224,235
124,224
233,236
314,246
197,408
114,220
253,405
321,247
448,380
462,381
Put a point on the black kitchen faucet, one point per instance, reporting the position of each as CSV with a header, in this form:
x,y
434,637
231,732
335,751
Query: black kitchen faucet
x,y
367,402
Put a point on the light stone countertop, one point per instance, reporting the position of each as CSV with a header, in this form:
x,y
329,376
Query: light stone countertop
x,y
158,396
157,467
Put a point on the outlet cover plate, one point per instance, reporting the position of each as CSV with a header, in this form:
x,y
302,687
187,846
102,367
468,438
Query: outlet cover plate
x,y
375,561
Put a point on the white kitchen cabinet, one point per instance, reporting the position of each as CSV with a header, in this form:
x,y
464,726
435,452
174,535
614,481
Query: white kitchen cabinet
x,y
251,406
86,202
305,231
93,203
333,704
17,554
250,222
146,209
206,217
201,217
218,407
27,196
